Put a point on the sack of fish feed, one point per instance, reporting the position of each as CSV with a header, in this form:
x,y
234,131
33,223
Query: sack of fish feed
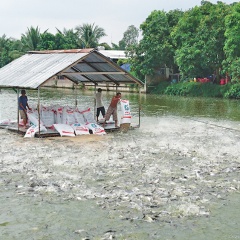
x,y
34,129
64,115
5,122
96,129
64,130
126,113
70,117
34,118
47,117
58,114
80,129
79,118
88,115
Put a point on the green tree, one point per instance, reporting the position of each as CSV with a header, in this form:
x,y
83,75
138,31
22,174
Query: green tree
x,y
4,50
48,41
232,43
130,37
89,35
199,39
31,39
70,39
105,45
155,50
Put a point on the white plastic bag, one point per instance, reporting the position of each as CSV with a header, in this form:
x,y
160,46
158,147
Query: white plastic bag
x,y
79,118
96,129
80,129
88,115
126,113
64,130
34,129
47,117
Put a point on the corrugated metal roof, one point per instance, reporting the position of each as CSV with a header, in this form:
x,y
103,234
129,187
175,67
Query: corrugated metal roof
x,y
80,66
114,54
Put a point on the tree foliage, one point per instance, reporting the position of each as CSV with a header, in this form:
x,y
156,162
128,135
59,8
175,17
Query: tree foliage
x,y
155,50
10,49
89,35
31,39
199,39
232,43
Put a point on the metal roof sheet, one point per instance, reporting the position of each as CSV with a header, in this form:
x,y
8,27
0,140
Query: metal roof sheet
x,y
114,54
80,66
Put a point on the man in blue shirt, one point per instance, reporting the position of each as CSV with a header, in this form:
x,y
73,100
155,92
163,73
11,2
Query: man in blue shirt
x,y
23,105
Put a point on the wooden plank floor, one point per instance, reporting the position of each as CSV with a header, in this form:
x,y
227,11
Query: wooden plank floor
x,y
54,133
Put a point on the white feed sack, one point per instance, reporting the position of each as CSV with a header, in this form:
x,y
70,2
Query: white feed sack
x,y
47,116
79,118
126,113
80,129
96,129
34,129
33,118
64,130
70,117
58,114
88,115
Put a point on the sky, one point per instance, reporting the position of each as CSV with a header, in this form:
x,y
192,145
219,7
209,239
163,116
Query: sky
x,y
114,16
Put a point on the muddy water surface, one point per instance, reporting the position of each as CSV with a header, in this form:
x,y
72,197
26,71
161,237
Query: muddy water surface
x,y
176,177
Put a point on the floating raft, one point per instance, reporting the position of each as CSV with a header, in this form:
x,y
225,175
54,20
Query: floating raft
x,y
53,133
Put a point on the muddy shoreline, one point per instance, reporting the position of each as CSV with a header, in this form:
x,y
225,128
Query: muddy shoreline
x,y
155,181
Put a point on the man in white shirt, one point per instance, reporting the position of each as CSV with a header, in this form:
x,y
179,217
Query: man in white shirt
x,y
99,103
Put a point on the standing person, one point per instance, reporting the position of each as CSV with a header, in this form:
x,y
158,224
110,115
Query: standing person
x,y
23,105
99,103
112,109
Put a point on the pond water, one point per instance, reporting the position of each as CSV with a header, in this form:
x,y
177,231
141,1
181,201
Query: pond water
x,y
176,177
151,105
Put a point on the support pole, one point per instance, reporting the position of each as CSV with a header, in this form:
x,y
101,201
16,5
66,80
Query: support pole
x,y
18,108
139,107
95,101
76,95
38,108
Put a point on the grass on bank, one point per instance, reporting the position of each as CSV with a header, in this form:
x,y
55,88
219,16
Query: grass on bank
x,y
196,89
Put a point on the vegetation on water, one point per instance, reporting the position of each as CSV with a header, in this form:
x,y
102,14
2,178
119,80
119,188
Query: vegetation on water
x,y
196,89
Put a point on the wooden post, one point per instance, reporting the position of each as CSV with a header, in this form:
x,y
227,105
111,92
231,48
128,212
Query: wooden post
x,y
18,108
75,93
38,108
139,107
95,101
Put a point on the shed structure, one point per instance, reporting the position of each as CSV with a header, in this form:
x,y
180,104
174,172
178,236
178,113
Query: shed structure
x,y
86,66
81,66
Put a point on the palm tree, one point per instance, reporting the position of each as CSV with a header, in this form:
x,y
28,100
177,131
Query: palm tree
x,y
89,35
69,38
31,39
